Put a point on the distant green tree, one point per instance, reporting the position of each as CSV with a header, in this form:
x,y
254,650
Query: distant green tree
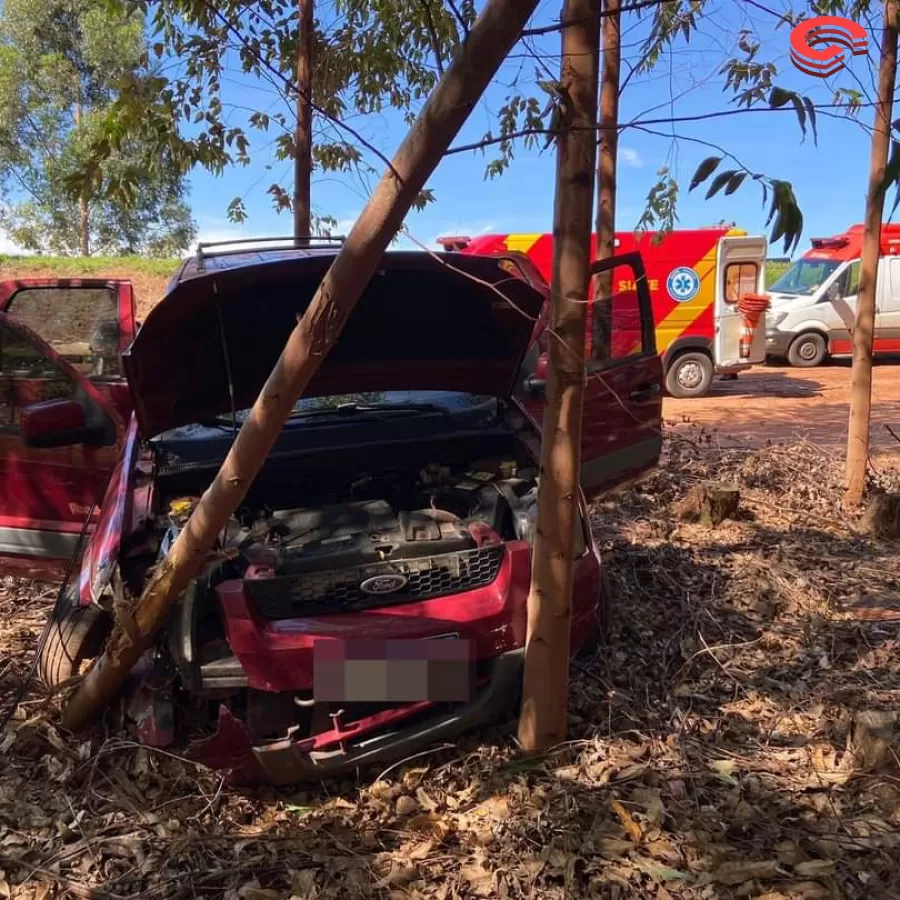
x,y
368,56
62,63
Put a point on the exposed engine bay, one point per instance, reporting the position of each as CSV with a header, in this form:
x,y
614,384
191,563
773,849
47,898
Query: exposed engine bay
x,y
399,535
386,517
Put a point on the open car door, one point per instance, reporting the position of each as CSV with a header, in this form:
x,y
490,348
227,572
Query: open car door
x,y
59,439
621,434
89,322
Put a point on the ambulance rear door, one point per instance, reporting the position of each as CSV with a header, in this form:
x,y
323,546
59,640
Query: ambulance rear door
x,y
740,269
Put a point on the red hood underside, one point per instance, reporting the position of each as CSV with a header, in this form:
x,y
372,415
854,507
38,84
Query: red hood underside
x,y
425,322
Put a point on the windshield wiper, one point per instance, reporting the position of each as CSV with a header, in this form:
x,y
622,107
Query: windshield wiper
x,y
349,409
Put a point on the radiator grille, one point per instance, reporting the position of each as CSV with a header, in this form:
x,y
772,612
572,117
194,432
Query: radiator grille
x,y
318,593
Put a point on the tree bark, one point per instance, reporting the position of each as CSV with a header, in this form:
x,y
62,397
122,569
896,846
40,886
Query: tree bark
x,y
606,180
303,135
448,107
545,690
864,326
84,225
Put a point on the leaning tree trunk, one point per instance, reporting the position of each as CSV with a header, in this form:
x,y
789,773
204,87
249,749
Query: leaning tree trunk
x,y
486,46
545,689
606,179
864,326
303,134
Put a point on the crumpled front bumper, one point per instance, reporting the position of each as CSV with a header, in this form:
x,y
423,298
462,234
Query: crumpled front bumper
x,y
289,761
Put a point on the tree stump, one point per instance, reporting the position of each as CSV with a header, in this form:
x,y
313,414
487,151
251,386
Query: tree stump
x,y
882,518
709,504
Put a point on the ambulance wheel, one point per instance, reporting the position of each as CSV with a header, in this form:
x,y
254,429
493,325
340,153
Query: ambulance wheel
x,y
689,375
72,636
808,350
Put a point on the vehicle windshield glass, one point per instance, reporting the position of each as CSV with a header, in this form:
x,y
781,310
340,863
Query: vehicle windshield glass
x,y
465,409
805,277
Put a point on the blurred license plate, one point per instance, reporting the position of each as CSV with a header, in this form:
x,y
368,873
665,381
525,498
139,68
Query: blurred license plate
x,y
392,671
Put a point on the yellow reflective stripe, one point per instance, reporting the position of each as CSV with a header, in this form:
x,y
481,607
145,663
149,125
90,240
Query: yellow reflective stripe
x,y
522,242
683,315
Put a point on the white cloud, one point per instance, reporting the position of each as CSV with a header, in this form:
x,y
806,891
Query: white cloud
x,y
630,157
8,248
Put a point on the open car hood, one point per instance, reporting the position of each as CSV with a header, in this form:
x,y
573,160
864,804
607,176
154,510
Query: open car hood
x,y
425,321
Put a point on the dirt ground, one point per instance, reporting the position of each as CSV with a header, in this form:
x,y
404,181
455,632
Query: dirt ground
x,y
719,745
777,405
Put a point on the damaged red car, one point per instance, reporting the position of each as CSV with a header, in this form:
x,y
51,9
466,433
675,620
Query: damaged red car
x,y
369,597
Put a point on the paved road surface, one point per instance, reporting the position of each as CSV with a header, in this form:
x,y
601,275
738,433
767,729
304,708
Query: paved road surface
x,y
784,404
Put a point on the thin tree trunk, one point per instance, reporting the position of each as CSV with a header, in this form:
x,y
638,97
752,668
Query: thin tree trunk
x,y
864,326
84,226
545,690
606,178
489,41
303,135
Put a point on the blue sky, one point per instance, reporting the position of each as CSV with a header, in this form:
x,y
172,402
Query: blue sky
x,y
829,179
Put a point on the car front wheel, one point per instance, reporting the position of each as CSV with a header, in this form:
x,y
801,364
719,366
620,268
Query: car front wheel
x,y
689,375
72,636
808,350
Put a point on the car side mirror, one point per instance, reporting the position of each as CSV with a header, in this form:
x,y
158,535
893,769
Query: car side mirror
x,y
534,386
57,423
833,293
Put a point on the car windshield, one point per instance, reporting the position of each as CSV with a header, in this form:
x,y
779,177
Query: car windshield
x,y
805,277
465,409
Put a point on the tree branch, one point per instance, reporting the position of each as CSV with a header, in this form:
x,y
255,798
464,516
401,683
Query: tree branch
x,y
432,33
549,29
528,132
289,83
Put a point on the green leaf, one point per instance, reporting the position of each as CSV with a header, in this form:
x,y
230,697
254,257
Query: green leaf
x,y
719,182
801,112
735,182
811,112
704,170
892,170
778,97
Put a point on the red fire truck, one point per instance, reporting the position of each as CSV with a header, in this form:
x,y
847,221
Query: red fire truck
x,y
695,277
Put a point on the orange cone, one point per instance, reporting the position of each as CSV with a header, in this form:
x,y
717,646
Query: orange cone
x,y
751,307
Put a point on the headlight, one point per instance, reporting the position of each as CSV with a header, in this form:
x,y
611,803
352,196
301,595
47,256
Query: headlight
x,y
776,320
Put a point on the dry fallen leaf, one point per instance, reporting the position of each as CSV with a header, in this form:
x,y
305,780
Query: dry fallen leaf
x,y
739,872
430,823
425,800
253,891
628,823
613,848
815,868
480,879
724,768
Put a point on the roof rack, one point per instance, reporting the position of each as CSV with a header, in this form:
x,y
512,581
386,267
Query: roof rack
x,y
203,249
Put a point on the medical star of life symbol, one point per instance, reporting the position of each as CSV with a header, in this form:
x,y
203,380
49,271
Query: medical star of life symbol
x,y
683,284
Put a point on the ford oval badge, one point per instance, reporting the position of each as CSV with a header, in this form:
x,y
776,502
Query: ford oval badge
x,y
383,584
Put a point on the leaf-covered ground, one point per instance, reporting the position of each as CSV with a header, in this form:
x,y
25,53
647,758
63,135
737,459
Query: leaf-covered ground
x,y
716,747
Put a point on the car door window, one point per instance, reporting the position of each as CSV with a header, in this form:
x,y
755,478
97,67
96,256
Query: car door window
x,y
848,282
80,323
622,327
27,377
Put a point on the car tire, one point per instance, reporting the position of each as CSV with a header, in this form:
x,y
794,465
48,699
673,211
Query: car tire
x,y
808,350
689,375
71,636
